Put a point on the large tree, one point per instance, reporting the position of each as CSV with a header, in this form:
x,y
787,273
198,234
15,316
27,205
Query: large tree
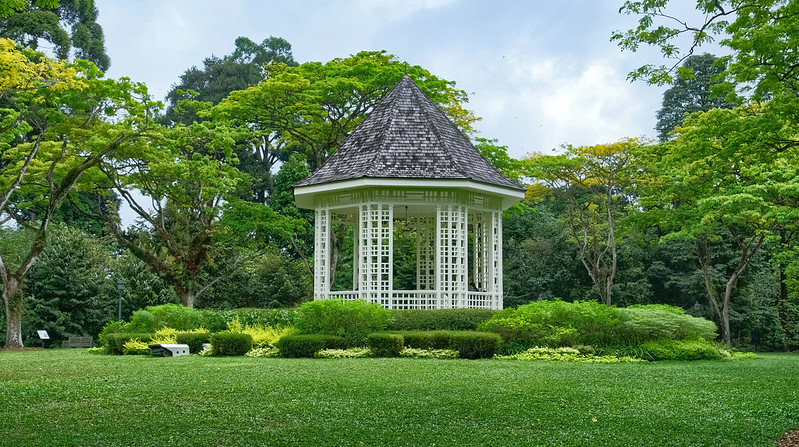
x,y
691,92
722,182
28,22
594,183
55,127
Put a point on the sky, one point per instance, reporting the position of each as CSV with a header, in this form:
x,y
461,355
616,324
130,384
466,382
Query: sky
x,y
540,73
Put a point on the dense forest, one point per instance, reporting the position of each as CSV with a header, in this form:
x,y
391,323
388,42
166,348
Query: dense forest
x,y
704,218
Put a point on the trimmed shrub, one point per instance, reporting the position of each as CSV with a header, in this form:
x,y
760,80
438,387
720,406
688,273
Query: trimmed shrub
x,y
195,340
697,349
230,343
473,345
351,353
646,324
442,354
469,344
353,320
296,346
263,336
386,345
114,343
438,319
416,339
265,352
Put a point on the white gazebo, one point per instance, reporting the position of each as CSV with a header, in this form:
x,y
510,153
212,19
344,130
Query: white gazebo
x,y
407,171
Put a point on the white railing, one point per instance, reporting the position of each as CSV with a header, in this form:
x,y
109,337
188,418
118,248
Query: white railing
x,y
419,299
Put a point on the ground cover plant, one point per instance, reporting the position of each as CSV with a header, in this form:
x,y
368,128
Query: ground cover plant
x,y
98,400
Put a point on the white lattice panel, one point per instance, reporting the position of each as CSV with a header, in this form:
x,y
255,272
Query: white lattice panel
x,y
322,253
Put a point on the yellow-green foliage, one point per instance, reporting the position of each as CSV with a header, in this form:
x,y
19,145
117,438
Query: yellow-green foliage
x,y
136,347
351,353
566,354
164,336
263,336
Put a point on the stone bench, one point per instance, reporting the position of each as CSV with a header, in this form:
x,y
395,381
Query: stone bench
x,y
77,342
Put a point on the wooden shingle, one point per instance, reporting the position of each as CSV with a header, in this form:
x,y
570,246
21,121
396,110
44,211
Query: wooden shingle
x,y
407,136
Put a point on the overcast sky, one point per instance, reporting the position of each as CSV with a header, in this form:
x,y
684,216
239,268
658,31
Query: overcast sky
x,y
540,73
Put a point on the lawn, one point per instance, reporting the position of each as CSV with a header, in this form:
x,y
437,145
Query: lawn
x,y
72,398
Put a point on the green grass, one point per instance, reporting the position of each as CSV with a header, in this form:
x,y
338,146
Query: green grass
x,y
72,398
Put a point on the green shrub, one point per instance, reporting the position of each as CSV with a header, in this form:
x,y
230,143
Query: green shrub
x,y
265,352
438,319
566,354
296,346
111,327
473,345
230,343
416,353
195,340
136,347
353,320
263,336
351,353
114,343
664,307
386,345
416,339
558,323
646,324
697,349
253,317
469,344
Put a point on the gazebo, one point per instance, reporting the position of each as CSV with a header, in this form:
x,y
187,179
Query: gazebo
x,y
407,171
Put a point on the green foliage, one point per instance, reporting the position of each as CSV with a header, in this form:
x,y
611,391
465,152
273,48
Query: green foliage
x,y
429,353
67,287
173,316
566,354
230,343
135,346
438,319
114,343
386,345
27,22
351,353
296,346
264,352
644,324
469,344
559,323
354,320
195,340
696,349
263,336
252,317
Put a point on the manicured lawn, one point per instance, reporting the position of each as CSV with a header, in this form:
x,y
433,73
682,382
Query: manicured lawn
x,y
72,398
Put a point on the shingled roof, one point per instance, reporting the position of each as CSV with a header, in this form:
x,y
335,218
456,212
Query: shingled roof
x,y
407,136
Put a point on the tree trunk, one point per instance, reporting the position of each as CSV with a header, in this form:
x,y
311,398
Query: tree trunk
x,y
187,296
13,302
725,309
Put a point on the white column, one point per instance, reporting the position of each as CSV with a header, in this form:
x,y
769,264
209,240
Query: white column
x,y
495,259
376,246
322,254
451,254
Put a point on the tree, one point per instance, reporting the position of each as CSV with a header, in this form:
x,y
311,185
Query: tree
x,y
27,22
722,181
691,93
182,179
243,68
593,182
53,134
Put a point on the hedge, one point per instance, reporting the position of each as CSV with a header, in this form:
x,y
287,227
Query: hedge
x,y
114,343
195,340
296,346
438,319
353,320
469,344
386,345
230,343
